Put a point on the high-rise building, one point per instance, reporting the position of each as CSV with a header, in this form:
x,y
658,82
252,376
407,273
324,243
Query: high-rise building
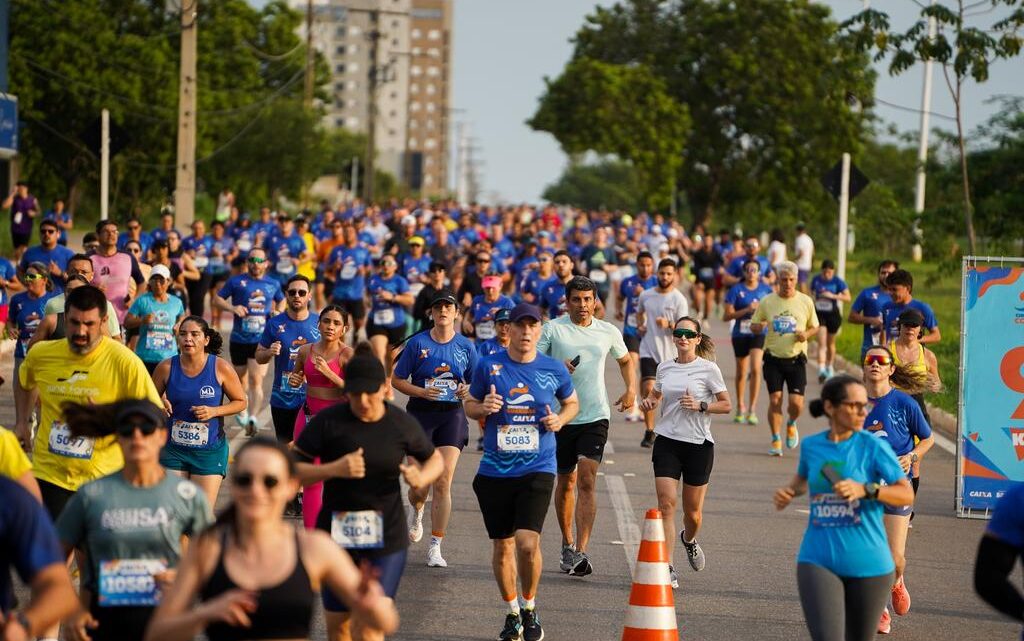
x,y
413,43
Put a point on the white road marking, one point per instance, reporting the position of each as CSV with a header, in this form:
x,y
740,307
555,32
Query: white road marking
x,y
944,443
609,448
629,531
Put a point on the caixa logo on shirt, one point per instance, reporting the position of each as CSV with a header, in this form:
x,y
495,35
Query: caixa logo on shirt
x,y
207,391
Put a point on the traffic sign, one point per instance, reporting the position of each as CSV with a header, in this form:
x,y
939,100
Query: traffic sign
x,y
833,179
8,126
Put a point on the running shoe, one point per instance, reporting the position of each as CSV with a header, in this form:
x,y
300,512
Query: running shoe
x,y
434,558
739,418
776,449
242,418
831,371
531,626
293,509
568,558
581,565
752,419
416,525
792,435
900,598
648,439
634,417
251,429
673,577
822,374
885,623
513,630
694,553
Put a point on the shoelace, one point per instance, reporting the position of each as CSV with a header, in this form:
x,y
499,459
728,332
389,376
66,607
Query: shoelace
x,y
691,548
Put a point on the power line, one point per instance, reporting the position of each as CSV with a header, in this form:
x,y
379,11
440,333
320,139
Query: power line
x,y
913,110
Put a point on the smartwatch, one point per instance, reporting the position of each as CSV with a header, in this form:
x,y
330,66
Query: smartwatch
x,y
703,406
871,490
914,458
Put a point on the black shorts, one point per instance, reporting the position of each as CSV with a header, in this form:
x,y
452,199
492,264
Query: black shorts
x,y
355,308
20,240
741,345
444,429
284,422
395,334
674,459
150,367
830,321
55,497
648,368
583,440
241,353
632,343
513,503
789,371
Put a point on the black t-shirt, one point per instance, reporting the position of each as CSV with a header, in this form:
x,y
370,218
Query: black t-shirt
x,y
705,259
335,432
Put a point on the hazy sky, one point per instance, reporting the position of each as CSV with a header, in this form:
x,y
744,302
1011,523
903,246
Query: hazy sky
x,y
504,48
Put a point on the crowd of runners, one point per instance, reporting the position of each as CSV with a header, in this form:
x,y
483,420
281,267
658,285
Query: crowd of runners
x,y
496,325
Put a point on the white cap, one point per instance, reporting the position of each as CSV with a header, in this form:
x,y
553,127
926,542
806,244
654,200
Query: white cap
x,y
160,270
673,232
407,220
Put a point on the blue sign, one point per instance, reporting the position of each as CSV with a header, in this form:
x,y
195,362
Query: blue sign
x,y
8,125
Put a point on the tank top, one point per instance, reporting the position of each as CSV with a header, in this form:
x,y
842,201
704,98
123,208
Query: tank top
x,y
919,364
313,376
283,611
184,392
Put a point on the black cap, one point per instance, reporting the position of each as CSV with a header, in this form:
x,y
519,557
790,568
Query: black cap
x,y
910,316
157,244
144,408
364,374
444,296
525,310
503,315
437,266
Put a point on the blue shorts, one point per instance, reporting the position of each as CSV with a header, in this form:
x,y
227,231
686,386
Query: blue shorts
x,y
195,461
390,566
902,510
447,428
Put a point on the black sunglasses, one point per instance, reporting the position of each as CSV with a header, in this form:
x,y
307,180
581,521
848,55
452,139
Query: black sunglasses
x,y
246,480
48,230
682,332
298,292
128,429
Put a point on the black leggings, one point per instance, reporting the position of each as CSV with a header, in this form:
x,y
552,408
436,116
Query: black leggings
x,y
838,608
284,422
197,290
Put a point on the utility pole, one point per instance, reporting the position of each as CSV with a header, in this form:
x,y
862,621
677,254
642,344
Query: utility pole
x,y
185,182
104,164
310,58
844,215
922,149
371,121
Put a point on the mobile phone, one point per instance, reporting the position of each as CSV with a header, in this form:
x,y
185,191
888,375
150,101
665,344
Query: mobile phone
x,y
829,472
576,361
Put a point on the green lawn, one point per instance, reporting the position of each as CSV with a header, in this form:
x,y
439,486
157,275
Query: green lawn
x,y
944,298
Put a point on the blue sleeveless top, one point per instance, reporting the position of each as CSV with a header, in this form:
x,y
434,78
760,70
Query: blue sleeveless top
x,y
186,392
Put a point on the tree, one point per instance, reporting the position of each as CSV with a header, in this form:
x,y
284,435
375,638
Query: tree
x,y
964,50
608,184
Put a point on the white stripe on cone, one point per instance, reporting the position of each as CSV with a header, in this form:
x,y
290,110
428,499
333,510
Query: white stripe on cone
x,y
653,530
651,618
651,573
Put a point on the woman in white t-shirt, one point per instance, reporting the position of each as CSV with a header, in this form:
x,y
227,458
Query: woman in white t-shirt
x,y
777,248
693,389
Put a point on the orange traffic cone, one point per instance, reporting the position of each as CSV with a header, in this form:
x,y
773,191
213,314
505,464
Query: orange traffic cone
x,y
651,615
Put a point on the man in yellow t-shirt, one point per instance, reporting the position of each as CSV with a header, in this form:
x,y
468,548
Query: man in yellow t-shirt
x,y
85,367
791,319
15,465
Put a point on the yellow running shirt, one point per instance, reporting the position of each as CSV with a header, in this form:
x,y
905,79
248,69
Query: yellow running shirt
x,y
13,462
785,317
110,372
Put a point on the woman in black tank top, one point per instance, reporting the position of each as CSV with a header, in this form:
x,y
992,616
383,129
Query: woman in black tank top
x,y
256,576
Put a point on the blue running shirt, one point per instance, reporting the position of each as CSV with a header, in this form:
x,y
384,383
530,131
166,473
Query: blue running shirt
x,y
293,334
259,297
440,365
896,418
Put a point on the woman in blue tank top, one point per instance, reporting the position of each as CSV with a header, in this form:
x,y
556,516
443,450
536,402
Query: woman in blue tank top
x,y
194,384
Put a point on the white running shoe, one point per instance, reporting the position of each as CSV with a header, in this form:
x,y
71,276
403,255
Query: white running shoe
x,y
242,418
416,527
434,558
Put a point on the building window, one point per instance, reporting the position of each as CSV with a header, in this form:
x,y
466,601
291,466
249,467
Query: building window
x,y
431,143
394,24
414,106
339,86
431,125
431,107
431,89
416,51
414,88
429,161
434,52
428,180
352,102
339,50
339,68
339,122
352,122
352,85
433,72
416,33
416,71
392,133
434,34
393,113
340,32
395,42
354,30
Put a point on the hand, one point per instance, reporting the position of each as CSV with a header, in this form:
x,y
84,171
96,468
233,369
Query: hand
x,y
462,391
77,625
24,433
875,322
203,412
649,403
688,402
905,462
662,322
641,328
232,607
626,401
167,406
619,315
800,337
850,490
552,422
320,363
782,497
351,466
430,393
296,378
637,290
241,311
275,348
412,475
753,306
569,366
148,319
493,401
55,270
165,579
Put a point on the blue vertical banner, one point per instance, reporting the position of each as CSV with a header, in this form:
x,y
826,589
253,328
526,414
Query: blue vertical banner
x,y
991,425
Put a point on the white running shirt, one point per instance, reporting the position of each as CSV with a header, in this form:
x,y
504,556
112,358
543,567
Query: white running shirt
x,y
804,248
704,380
657,342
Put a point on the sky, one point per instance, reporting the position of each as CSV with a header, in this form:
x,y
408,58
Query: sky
x,y
503,50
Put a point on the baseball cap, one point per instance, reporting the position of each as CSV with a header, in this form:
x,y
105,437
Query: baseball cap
x,y
160,270
524,310
437,266
141,407
443,296
503,315
417,240
408,219
491,281
910,316
364,374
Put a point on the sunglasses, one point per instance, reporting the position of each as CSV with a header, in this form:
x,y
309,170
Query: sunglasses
x,y
128,429
483,260
913,324
257,261
31,277
877,359
246,480
298,292
48,231
860,408
682,332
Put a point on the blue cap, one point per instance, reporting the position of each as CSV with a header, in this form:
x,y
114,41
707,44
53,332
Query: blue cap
x,y
503,315
524,310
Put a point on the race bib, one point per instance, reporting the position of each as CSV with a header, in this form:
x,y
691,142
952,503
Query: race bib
x,y
62,443
823,304
254,324
415,289
24,344
485,330
129,582
159,341
285,266
362,530
384,317
18,217
244,245
518,438
706,273
217,263
190,434
599,275
201,262
745,326
447,387
285,385
631,320
831,510
348,271
784,325
876,337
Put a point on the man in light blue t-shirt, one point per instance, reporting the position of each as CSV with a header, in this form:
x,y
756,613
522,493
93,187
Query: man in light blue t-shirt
x,y
583,342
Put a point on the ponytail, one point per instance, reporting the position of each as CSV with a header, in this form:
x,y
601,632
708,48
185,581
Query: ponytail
x,y
216,344
90,421
903,377
706,345
834,391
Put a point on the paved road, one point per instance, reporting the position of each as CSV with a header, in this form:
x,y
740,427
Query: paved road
x,y
747,591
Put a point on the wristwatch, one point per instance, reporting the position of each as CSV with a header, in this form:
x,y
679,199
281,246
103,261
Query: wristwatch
x,y
871,490
914,458
703,407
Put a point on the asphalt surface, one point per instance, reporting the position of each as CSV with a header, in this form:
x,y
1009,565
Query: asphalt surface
x,y
748,589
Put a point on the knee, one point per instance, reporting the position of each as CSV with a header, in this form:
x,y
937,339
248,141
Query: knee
x,y
587,483
694,516
567,482
776,402
666,503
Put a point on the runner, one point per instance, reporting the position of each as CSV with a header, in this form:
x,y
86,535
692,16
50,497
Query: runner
x,y
252,576
900,284
657,310
129,525
502,336
440,364
156,315
348,265
751,247
479,319
195,383
223,252
867,308
535,280
14,464
583,343
597,261
844,567
625,310
514,392
829,292
791,320
694,389
80,266
552,295
252,298
198,247
741,302
24,317
364,445
896,418
286,250
115,269
390,297
54,257
707,266
803,249
436,276
998,551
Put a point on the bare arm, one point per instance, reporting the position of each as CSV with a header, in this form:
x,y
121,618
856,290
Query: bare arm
x,y
796,487
43,330
53,598
932,337
628,374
